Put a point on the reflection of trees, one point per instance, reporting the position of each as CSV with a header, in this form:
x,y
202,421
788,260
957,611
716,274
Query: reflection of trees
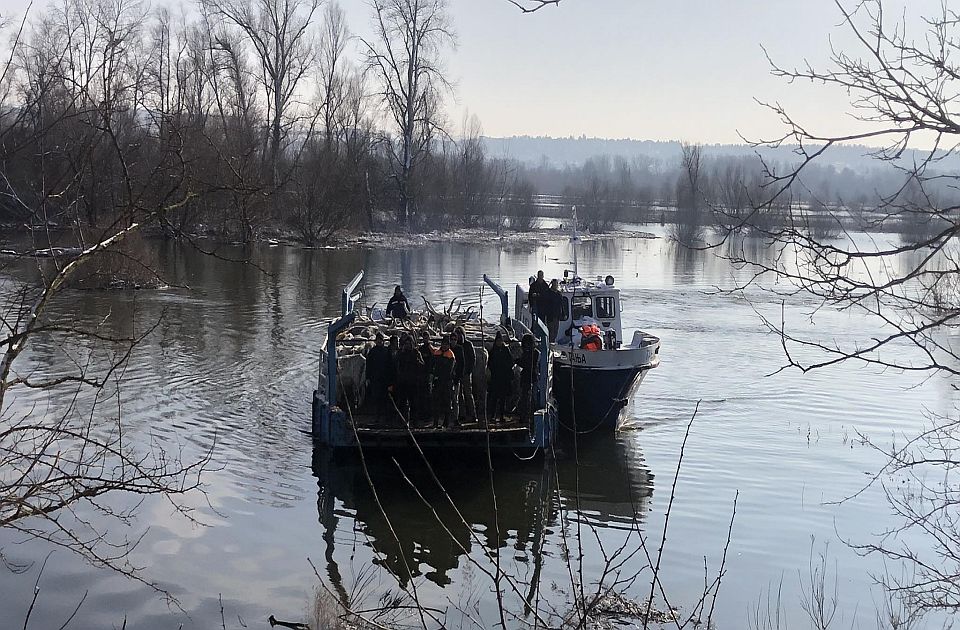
x,y
529,497
686,261
740,247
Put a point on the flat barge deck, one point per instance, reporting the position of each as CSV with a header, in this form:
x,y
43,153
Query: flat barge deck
x,y
342,418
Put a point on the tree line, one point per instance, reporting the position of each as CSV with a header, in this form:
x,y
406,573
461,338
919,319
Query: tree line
x,y
696,192
244,119
253,116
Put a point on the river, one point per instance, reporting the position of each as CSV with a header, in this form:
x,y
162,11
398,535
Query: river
x,y
231,366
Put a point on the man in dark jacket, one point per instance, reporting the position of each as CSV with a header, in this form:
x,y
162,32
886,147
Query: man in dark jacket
x,y
425,386
409,371
537,289
552,309
501,377
379,375
529,363
398,307
464,408
443,364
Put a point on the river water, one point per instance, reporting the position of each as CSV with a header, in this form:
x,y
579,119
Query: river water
x,y
231,366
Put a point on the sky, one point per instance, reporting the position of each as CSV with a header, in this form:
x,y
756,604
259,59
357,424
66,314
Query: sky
x,y
645,69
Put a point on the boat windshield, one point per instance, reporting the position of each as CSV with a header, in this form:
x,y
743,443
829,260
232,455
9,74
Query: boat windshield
x,y
606,308
582,307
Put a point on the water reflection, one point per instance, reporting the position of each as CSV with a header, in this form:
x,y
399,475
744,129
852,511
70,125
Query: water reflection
x,y
233,360
416,527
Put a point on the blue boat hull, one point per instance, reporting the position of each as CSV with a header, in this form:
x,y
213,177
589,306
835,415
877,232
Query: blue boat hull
x,y
595,399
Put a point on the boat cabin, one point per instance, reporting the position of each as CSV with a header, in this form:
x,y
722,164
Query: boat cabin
x,y
584,302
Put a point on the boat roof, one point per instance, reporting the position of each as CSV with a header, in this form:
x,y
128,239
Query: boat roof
x,y
581,285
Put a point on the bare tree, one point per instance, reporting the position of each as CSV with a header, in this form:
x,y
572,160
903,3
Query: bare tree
x,y
333,77
404,57
688,220
902,89
474,177
330,176
279,34
81,75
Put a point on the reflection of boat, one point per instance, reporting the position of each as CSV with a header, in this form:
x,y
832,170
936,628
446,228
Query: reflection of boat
x,y
406,533
614,483
408,539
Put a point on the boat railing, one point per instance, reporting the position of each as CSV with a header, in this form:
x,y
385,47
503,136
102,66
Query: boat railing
x,y
521,308
504,300
322,387
538,329
328,357
349,299
543,341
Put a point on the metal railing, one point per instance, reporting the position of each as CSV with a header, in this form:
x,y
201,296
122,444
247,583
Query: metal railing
x,y
349,299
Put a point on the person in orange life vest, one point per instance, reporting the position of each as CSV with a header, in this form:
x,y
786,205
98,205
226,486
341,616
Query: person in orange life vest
x,y
590,338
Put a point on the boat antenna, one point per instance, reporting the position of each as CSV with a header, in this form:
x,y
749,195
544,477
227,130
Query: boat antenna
x,y
574,239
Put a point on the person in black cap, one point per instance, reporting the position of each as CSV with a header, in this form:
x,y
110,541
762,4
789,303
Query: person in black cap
x,y
398,307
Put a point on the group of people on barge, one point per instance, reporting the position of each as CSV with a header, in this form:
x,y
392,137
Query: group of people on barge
x,y
432,385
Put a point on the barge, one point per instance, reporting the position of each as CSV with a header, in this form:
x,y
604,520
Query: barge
x,y
344,416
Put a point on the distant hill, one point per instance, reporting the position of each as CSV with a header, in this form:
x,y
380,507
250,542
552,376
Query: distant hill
x,y
558,152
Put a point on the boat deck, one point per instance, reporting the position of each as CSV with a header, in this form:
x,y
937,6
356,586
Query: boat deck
x,y
345,413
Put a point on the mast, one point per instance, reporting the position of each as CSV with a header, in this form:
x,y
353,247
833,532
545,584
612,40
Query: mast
x,y
574,239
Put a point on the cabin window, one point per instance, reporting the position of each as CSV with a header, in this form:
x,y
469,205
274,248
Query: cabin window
x,y
582,307
564,308
606,307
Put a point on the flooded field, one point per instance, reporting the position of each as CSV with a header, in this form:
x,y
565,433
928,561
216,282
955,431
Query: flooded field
x,y
230,369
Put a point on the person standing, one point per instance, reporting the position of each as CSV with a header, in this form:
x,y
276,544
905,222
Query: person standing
x,y
379,375
408,374
443,364
537,289
398,307
464,408
553,303
501,377
426,387
529,363
394,348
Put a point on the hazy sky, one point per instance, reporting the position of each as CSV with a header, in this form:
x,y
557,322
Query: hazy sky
x,y
647,69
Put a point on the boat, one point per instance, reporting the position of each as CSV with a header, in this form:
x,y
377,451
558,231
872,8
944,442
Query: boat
x,y
592,387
